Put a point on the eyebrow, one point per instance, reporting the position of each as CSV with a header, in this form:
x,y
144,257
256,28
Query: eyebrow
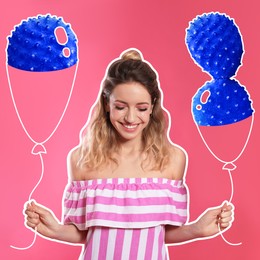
x,y
140,103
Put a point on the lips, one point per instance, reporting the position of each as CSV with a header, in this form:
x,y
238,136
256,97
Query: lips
x,y
130,127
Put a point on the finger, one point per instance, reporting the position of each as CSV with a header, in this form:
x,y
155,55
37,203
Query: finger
x,y
28,206
226,222
39,209
224,225
226,213
226,216
226,219
28,209
227,206
32,220
32,216
31,224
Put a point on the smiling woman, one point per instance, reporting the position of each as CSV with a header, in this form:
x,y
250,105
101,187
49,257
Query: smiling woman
x,y
130,108
126,197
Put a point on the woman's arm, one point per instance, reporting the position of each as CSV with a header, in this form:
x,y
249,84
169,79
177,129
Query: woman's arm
x,y
46,224
206,226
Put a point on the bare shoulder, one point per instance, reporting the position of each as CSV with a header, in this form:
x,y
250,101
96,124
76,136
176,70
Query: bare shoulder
x,y
177,162
74,171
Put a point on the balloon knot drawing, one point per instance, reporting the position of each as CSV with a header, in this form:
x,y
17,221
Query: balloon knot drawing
x,y
215,44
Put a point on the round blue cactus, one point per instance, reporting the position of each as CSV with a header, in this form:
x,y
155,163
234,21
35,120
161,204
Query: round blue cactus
x,y
215,44
33,45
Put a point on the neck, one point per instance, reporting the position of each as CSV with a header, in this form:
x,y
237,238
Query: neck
x,y
131,147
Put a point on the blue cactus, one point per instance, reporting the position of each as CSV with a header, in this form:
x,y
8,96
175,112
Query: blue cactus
x,y
215,44
227,103
32,45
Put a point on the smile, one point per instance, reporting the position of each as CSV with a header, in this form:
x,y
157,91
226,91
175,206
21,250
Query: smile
x,y
130,126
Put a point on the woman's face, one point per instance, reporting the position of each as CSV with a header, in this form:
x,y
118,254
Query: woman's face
x,y
130,107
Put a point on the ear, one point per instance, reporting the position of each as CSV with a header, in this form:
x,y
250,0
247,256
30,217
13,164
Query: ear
x,y
151,110
153,104
107,107
106,103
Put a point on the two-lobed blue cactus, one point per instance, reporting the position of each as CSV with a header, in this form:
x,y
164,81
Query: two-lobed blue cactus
x,y
215,44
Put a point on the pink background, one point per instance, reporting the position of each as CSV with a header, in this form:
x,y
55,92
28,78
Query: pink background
x,y
105,28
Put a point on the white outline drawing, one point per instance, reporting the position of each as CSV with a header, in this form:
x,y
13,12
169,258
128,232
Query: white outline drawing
x,y
228,166
39,148
80,138
169,139
168,129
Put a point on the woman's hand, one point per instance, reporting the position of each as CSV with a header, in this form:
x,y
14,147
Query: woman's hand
x,y
214,220
41,219
206,226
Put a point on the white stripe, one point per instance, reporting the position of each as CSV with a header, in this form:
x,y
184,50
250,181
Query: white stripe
x,y
142,243
116,181
117,224
164,252
127,244
155,255
90,231
111,243
133,209
162,237
96,243
125,209
132,194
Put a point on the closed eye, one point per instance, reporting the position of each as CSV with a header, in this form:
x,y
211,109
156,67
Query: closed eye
x,y
119,108
142,109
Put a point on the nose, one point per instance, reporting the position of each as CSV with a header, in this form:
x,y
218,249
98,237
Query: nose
x,y
130,115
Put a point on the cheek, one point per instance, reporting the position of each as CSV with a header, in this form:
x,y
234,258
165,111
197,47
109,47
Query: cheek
x,y
116,114
145,117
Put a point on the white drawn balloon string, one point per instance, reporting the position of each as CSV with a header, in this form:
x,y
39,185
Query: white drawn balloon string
x,y
41,177
226,167
61,117
28,247
29,199
244,147
38,145
231,197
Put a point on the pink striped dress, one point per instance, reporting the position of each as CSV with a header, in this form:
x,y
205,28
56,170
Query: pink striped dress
x,y
125,217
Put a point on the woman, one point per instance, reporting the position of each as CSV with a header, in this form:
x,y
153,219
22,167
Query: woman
x,y
126,197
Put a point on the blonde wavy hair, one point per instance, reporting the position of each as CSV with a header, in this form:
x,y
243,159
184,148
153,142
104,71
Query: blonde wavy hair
x,y
100,141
